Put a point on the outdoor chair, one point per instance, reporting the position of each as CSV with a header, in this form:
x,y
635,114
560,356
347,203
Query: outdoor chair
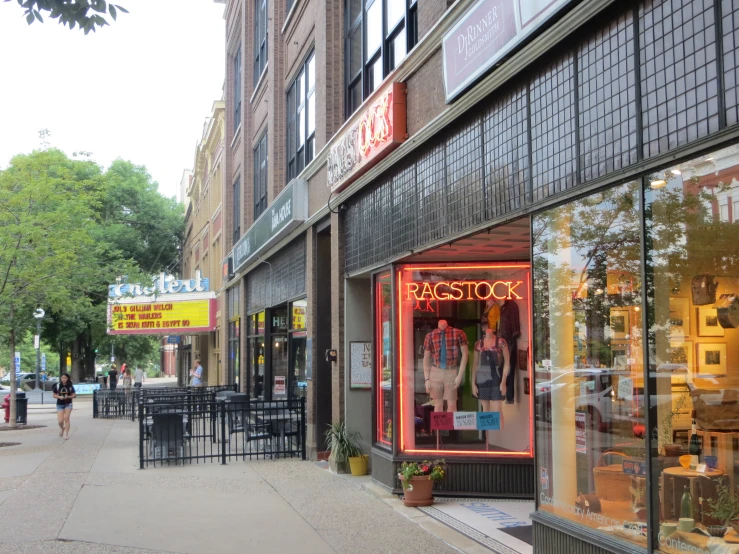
x,y
167,436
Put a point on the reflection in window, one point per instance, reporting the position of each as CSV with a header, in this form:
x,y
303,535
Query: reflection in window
x,y
298,354
255,332
589,360
692,279
383,351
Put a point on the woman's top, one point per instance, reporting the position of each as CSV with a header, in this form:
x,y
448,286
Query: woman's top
x,y
63,392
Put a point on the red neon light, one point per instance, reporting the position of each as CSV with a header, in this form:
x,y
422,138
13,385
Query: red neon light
x,y
375,127
471,266
379,354
400,359
455,290
529,370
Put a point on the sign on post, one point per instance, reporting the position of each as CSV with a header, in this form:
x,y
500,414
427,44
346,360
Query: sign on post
x,y
17,361
36,342
43,362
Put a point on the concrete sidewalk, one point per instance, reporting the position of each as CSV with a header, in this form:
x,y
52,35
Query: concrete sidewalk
x,y
88,495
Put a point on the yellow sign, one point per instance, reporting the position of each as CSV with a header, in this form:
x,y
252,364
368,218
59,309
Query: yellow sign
x,y
298,317
162,318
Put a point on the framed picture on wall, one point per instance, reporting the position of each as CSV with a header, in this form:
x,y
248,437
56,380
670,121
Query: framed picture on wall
x,y
679,318
681,353
708,325
711,358
523,360
619,323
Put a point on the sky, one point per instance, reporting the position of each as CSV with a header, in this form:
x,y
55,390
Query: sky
x,y
140,89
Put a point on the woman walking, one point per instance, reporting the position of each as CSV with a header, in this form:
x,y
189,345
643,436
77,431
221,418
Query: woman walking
x,y
127,380
64,393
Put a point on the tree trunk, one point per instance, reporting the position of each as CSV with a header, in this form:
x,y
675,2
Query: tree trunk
x,y
76,360
13,381
62,358
89,355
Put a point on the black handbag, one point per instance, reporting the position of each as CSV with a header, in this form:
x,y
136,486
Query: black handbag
x,y
704,289
728,311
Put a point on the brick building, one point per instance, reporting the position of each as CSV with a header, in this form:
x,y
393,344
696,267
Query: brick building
x,y
512,170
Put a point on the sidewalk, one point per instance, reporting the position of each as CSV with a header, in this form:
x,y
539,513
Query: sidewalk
x,y
88,495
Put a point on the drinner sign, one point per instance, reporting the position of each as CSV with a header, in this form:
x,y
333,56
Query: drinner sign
x,y
373,134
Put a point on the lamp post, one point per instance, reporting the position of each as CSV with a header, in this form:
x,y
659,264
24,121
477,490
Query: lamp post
x,y
38,314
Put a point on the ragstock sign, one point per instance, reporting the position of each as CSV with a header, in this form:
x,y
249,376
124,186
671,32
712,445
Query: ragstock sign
x,y
377,130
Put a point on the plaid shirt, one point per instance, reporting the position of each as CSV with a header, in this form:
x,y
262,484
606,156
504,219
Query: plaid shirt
x,y
456,340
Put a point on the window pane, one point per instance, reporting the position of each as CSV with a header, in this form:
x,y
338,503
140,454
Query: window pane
x,y
693,270
312,113
291,122
374,27
375,76
588,358
355,10
395,12
311,81
355,53
355,96
384,363
301,127
397,49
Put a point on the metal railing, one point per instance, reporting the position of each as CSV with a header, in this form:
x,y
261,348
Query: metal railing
x,y
123,403
186,429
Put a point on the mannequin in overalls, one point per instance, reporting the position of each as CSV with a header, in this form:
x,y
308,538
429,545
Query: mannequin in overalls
x,y
490,369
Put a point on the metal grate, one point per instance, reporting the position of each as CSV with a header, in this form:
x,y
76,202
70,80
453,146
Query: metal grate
x,y
678,73
283,279
607,100
432,205
553,130
464,177
506,153
730,30
404,210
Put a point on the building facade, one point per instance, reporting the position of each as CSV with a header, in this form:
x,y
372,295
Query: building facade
x,y
498,233
203,245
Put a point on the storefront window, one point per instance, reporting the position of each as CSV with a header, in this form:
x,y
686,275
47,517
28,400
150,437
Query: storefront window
x,y
256,355
279,352
589,363
234,322
298,355
693,315
383,351
463,342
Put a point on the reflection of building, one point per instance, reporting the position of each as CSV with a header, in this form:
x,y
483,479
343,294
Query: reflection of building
x,y
202,250
552,160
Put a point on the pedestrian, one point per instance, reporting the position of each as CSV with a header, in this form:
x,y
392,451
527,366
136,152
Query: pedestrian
x,y
127,381
197,374
113,377
64,393
138,377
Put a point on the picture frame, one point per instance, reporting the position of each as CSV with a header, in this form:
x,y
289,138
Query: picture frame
x,y
619,282
708,325
523,360
679,318
681,352
711,359
620,324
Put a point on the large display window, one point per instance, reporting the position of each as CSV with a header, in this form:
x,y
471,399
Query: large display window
x,y
298,353
255,340
384,359
463,342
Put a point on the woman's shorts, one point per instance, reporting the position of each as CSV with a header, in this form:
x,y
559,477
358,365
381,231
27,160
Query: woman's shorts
x,y
64,407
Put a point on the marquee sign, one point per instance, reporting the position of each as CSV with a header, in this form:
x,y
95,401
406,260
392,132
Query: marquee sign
x,y
464,290
160,285
378,129
163,318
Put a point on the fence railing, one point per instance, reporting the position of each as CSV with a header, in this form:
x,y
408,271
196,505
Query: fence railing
x,y
123,403
195,429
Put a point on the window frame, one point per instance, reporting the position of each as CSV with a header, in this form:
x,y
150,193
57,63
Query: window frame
x,y
261,169
237,87
261,51
364,77
236,192
300,154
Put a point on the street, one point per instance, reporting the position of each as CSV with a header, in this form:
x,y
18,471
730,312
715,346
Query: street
x,y
88,495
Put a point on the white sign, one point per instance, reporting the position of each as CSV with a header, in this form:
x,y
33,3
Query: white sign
x,y
465,421
360,355
279,388
87,388
626,388
35,342
162,284
546,363
43,362
17,361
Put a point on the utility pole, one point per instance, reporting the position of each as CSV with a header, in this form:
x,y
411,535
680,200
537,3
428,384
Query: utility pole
x,y
38,315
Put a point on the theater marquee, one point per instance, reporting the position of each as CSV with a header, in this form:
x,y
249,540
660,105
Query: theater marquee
x,y
183,317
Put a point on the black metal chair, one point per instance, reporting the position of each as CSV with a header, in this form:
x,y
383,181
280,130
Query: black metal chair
x,y
167,436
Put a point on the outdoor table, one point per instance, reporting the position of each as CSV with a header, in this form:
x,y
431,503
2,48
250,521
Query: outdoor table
x,y
282,417
700,485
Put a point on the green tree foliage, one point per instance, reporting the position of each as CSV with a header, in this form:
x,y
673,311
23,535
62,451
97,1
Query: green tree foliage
x,y
86,15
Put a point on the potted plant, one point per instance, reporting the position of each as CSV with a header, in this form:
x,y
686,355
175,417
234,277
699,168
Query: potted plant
x,y
724,509
418,480
345,448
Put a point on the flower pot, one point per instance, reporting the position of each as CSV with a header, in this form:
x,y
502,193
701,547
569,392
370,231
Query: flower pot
x,y
358,465
419,492
716,530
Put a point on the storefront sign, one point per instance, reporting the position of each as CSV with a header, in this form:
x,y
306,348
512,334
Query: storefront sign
x,y
488,421
625,388
163,284
442,421
380,127
286,212
581,445
486,33
260,323
298,317
162,318
464,290
279,388
361,365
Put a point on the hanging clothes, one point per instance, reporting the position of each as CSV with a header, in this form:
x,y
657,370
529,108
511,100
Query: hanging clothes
x,y
509,329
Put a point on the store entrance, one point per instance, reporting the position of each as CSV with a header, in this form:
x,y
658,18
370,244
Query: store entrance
x,y
464,333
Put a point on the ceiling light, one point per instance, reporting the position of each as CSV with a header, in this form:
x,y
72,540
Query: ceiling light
x,y
598,291
676,172
658,183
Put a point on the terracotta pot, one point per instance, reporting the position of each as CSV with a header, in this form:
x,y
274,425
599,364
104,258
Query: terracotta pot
x,y
421,494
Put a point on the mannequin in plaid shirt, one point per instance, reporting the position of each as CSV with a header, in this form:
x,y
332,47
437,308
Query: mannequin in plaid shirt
x,y
445,354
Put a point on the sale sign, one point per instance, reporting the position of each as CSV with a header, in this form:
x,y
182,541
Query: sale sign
x,y
465,421
581,444
442,421
162,318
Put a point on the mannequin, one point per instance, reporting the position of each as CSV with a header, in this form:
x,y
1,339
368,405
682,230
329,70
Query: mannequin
x,y
444,373
490,370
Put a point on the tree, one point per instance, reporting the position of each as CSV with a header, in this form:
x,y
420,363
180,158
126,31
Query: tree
x,y
85,14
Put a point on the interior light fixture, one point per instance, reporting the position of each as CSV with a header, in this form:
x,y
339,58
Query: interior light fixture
x,y
710,159
676,172
658,183
598,291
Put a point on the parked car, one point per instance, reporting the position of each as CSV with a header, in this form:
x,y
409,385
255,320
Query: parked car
x,y
22,377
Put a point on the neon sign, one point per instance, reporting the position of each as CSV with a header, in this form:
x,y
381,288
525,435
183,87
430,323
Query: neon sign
x,y
375,132
464,290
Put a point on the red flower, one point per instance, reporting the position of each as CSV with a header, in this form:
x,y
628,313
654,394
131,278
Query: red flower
x,y
425,469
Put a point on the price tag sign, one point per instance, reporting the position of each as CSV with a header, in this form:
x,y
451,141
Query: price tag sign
x,y
488,421
701,468
442,421
546,363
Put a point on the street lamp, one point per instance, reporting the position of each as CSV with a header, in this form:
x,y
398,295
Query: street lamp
x,y
38,314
